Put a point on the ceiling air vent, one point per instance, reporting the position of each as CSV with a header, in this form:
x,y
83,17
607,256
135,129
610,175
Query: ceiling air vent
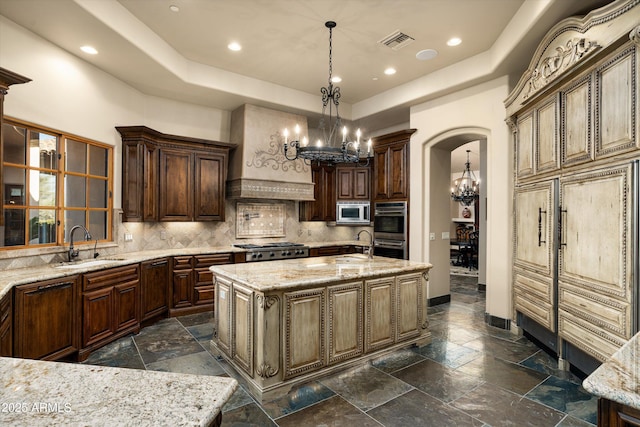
x,y
396,40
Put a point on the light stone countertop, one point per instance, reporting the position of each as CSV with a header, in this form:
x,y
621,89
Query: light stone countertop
x,y
21,276
39,393
618,379
290,273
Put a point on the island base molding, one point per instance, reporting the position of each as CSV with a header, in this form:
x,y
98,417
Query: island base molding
x,y
272,392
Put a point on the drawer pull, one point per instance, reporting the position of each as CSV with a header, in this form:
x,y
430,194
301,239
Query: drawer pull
x,y
158,263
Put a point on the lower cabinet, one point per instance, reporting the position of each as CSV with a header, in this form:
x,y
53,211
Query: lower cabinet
x,y
45,321
613,414
332,250
192,282
6,325
110,306
154,288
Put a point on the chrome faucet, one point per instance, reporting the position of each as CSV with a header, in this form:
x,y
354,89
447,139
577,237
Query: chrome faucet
x,y
73,253
370,251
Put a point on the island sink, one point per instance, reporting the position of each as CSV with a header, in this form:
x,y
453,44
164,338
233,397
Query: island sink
x,y
284,323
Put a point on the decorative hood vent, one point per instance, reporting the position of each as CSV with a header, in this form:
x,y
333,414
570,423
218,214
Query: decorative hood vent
x,y
258,168
397,40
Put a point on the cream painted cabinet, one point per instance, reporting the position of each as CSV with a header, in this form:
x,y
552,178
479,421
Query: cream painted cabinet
x,y
345,321
595,280
574,117
304,331
380,319
410,311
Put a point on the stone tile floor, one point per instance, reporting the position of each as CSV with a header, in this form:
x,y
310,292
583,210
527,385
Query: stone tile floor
x,y
471,374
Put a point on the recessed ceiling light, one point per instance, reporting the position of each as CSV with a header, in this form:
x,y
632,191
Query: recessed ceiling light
x,y
336,79
174,8
426,54
390,71
89,49
455,41
234,46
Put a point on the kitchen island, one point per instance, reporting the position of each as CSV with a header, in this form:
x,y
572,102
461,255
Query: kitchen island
x,y
39,393
617,384
283,323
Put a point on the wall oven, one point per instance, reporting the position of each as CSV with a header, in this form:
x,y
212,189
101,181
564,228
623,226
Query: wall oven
x,y
390,230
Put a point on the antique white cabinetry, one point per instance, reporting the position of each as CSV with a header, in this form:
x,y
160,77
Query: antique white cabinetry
x,y
574,116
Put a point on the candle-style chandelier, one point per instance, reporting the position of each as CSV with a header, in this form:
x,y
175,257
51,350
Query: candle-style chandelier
x,y
466,189
328,149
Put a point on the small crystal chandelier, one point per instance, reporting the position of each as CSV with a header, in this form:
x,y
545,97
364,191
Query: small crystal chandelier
x,y
328,150
466,189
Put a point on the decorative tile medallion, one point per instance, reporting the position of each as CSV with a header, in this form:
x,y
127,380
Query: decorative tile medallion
x,y
259,220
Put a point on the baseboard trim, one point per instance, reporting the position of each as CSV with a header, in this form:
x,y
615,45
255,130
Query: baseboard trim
x,y
444,299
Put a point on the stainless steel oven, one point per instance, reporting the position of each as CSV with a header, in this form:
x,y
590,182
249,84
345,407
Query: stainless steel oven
x,y
390,229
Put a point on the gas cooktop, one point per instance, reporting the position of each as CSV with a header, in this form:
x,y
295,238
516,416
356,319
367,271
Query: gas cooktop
x,y
273,251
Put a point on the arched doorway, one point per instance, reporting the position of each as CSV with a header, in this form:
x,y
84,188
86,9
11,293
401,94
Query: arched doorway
x,y
438,161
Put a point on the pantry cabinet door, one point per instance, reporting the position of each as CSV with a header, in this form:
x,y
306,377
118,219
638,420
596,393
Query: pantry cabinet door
x,y
548,137
534,252
595,269
576,119
524,146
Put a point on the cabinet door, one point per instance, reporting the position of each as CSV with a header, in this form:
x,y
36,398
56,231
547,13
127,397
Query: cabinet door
x,y
154,288
97,316
399,171
534,257
379,315
210,181
381,172
139,182
409,297
524,145
548,137
361,184
182,280
345,183
46,320
242,323
323,208
576,135
223,316
345,321
304,331
595,272
176,185
6,325
613,414
126,305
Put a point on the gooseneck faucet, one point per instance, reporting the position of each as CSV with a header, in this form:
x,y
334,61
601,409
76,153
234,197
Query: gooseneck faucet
x,y
73,253
370,252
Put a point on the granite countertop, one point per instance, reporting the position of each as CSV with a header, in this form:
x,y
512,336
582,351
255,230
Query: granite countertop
x,y
39,393
21,276
618,379
277,275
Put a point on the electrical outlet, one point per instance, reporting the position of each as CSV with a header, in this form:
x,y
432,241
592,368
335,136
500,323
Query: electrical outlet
x,y
432,236
128,237
445,235
163,235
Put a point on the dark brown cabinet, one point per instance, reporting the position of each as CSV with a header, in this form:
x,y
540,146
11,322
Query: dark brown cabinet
x,y
154,288
332,250
323,208
46,319
613,414
172,178
110,306
6,325
391,166
192,282
353,183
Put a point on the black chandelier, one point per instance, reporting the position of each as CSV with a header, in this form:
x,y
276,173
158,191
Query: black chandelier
x,y
466,189
328,150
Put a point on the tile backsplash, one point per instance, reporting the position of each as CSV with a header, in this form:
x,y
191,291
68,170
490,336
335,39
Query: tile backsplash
x,y
176,235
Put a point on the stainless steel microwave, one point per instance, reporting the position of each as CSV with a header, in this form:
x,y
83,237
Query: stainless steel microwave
x,y
353,213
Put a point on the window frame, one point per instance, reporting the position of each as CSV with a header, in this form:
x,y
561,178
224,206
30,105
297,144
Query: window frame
x,y
61,173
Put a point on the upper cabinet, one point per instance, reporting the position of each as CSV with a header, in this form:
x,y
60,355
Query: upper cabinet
x,y
172,178
323,208
391,166
7,78
353,182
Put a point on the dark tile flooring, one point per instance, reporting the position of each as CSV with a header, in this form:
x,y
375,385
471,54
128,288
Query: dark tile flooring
x,y
470,375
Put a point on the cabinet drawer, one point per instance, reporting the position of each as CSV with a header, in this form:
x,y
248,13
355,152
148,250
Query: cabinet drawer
x,y
182,262
110,277
202,261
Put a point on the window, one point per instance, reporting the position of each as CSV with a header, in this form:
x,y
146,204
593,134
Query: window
x,y
52,182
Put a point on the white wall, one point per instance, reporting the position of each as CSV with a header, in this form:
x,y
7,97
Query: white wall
x,y
479,111
70,95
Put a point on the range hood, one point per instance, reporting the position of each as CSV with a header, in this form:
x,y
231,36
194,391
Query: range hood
x,y
257,167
